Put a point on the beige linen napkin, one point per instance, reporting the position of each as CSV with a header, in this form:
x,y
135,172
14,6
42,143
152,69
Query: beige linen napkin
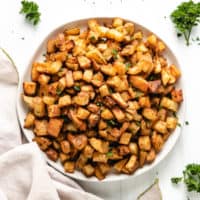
x,y
24,174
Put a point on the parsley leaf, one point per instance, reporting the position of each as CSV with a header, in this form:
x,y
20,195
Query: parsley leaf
x,y
77,88
115,53
128,65
185,17
109,154
176,180
31,12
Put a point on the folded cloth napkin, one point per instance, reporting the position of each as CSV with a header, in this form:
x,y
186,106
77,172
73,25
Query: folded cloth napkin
x,y
23,171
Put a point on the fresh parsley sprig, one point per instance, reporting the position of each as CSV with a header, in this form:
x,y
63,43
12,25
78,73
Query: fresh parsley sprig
x,y
185,17
191,177
31,11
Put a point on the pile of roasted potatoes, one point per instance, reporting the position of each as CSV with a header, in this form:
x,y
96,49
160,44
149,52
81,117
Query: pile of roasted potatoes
x,y
103,99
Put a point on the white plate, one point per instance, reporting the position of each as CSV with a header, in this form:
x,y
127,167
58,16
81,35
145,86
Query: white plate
x,y
22,109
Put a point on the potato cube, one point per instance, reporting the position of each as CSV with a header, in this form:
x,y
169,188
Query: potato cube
x,y
99,157
117,22
160,126
120,164
104,91
149,114
65,146
87,75
69,166
107,114
152,40
49,68
139,83
169,104
98,173
98,79
77,75
29,88
43,79
82,98
42,142
88,170
48,100
88,151
160,46
96,55
99,145
131,164
104,167
93,119
40,127
81,161
118,98
125,138
171,122
144,102
29,120
133,128
133,147
142,158
162,113
157,141
151,156
38,107
64,101
63,157
54,110
34,73
84,62
69,79
54,126
82,113
144,143
108,70
52,154
119,114
72,31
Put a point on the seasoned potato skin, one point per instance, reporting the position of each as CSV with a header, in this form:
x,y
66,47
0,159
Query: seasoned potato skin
x,y
103,98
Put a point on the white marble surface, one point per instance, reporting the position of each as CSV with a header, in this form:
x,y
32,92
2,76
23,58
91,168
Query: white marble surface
x,y
153,14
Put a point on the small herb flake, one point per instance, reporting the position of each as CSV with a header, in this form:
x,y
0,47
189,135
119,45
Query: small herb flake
x,y
176,180
115,53
99,103
128,65
31,11
58,91
179,125
179,34
109,154
186,123
111,123
92,39
77,88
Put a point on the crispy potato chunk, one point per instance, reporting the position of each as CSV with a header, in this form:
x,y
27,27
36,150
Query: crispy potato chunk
x,y
93,108
144,102
82,98
139,83
38,107
157,141
149,114
77,75
49,68
63,157
131,164
125,138
133,147
99,174
64,101
106,114
142,158
177,95
87,75
96,55
40,127
120,164
169,104
161,127
99,145
42,142
84,62
117,97
54,127
65,146
119,114
144,143
29,120
52,154
151,156
79,141
48,100
171,122
69,79
54,111
82,113
82,160
88,151
88,170
99,157
69,166
29,88
108,70
93,119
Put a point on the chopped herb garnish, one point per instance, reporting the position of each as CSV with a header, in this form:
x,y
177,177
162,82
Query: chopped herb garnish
x,y
66,120
31,11
174,114
115,53
58,91
92,39
111,122
179,34
186,123
99,103
138,123
176,180
109,154
139,94
77,88
185,17
110,90
128,65
179,124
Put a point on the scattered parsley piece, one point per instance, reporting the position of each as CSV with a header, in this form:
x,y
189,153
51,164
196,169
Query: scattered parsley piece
x,y
185,17
115,53
179,34
77,88
99,103
92,39
128,65
58,91
179,124
176,180
111,122
31,12
186,123
109,154
139,94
